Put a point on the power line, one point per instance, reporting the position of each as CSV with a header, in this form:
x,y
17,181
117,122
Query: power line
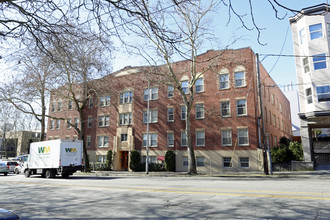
x,y
290,55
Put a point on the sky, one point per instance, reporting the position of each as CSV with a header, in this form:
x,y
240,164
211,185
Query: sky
x,y
276,35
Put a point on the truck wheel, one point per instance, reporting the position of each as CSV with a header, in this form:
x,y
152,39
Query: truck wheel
x,y
16,172
65,175
27,173
47,174
5,174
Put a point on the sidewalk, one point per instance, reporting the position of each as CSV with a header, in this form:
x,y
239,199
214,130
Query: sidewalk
x,y
323,174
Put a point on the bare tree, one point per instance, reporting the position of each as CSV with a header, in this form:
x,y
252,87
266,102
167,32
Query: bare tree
x,y
80,61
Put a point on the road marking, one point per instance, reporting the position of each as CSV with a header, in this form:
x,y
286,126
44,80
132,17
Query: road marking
x,y
222,192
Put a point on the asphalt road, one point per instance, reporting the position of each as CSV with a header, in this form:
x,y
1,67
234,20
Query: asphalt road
x,y
140,197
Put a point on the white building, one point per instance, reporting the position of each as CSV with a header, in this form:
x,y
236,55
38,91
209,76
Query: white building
x,y
311,42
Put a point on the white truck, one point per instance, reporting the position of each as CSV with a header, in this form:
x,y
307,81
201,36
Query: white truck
x,y
55,157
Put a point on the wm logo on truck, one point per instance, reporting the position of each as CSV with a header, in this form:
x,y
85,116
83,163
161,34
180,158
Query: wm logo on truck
x,y
71,150
42,150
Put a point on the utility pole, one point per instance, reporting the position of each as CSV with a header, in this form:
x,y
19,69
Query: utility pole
x,y
148,118
261,118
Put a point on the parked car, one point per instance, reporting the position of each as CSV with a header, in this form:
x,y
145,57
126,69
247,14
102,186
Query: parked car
x,y
11,165
4,168
19,168
8,215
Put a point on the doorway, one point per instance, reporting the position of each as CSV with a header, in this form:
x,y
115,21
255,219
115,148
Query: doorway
x,y
124,160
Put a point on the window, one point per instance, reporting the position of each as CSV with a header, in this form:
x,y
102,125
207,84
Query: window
x,y
319,61
123,137
302,36
76,122
90,103
272,99
309,97
53,106
244,162
152,140
70,104
241,107
170,139
153,118
323,93
125,119
306,64
102,141
243,136
151,159
126,97
227,162
170,114
68,124
89,140
200,161
224,81
282,125
226,137
104,120
185,86
59,106
67,137
200,138
199,85
275,141
183,112
183,139
90,121
51,124
240,79
274,120
101,158
170,91
225,108
152,93
58,122
265,116
185,161
105,100
199,109
315,31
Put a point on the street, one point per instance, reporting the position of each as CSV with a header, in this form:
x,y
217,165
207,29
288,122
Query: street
x,y
141,197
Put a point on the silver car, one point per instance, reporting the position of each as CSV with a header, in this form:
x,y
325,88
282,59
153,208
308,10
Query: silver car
x,y
11,165
4,168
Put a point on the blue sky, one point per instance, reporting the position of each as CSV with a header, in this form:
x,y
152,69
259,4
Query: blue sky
x,y
276,34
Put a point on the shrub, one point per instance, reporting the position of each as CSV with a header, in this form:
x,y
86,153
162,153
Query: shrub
x,y
135,160
297,151
281,154
109,159
170,161
98,166
284,141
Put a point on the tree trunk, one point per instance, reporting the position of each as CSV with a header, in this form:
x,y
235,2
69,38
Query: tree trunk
x,y
82,137
191,154
43,117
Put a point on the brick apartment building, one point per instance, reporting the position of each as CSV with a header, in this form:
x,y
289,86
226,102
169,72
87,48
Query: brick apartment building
x,y
224,120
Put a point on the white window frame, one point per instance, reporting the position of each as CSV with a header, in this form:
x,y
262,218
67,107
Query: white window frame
x,y
309,95
88,141
227,160
76,122
102,141
183,112
315,33
123,137
323,96
70,104
90,121
240,80
226,134
227,109
125,118
170,114
302,36
200,138
126,97
239,136
58,124
244,162
151,93
105,101
185,86
224,81
53,106
170,91
103,121
59,106
199,85
184,161
153,140
305,63
244,108
183,139
319,60
170,139
200,161
153,116
199,111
